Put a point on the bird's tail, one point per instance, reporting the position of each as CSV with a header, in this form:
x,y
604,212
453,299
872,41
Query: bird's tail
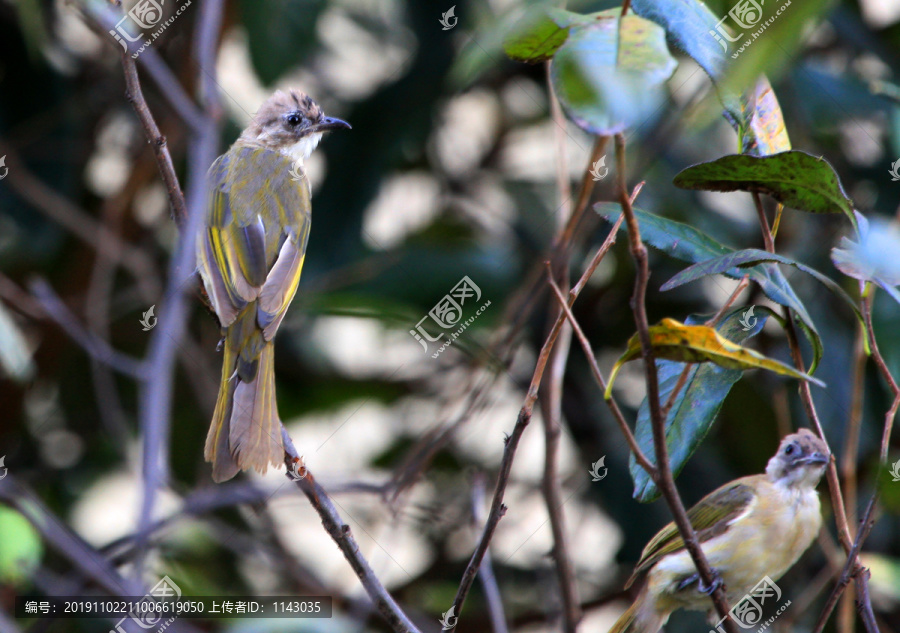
x,y
640,617
245,431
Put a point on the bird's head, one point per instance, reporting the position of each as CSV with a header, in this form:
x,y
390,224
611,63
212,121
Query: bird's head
x,y
291,123
800,460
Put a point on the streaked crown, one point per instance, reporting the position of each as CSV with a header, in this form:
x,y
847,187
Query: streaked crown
x,y
290,122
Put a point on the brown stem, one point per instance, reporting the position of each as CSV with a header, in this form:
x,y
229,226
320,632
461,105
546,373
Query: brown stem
x,y
854,424
764,223
868,299
851,568
512,442
157,141
865,601
665,481
834,486
598,376
487,577
343,538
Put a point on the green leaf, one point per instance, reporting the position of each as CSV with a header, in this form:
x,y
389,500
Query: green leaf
x,y
796,179
673,238
688,24
672,340
694,409
874,257
751,257
688,244
776,287
540,33
609,74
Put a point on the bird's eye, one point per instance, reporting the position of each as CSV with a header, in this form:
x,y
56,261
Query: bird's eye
x,y
294,119
789,449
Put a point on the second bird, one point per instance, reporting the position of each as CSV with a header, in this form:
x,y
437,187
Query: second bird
x,y
250,254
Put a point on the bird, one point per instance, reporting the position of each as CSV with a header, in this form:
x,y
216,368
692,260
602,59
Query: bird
x,y
250,253
748,529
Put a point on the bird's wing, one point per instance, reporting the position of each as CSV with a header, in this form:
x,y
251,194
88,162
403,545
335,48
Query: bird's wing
x,y
282,199
709,518
212,262
255,209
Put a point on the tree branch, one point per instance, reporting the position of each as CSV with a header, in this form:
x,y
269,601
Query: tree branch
x,y
488,580
665,481
343,538
512,441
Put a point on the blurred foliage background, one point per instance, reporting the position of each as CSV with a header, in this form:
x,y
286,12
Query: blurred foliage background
x,y
449,171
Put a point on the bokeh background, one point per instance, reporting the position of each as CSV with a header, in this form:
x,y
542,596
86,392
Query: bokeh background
x,y
451,170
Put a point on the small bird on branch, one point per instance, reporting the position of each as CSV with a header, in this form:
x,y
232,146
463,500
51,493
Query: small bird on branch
x,y
250,254
751,531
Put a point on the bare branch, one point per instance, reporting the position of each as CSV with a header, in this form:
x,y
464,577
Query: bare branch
x,y
851,568
865,600
664,482
157,141
512,442
598,376
95,346
156,396
487,578
343,538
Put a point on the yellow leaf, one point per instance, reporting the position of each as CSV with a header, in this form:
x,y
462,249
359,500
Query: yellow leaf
x,y
676,341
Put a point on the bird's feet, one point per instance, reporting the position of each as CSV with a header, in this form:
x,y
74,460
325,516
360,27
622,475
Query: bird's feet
x,y
687,581
717,583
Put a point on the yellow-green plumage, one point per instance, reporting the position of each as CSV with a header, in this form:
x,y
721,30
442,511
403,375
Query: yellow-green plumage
x,y
750,528
250,256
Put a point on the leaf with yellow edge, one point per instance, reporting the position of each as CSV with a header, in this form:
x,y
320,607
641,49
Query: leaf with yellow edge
x,y
673,340
761,128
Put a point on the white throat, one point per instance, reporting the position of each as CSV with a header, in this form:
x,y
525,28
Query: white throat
x,y
301,150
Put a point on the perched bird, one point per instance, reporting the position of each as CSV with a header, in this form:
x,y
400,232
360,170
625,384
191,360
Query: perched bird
x,y
250,254
750,528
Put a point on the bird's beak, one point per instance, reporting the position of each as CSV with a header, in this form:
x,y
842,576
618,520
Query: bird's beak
x,y
817,458
331,123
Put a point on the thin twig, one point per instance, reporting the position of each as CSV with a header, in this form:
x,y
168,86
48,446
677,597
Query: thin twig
x,y
598,376
865,600
156,140
850,568
849,465
665,481
487,578
343,538
834,486
498,509
102,18
763,223
551,399
156,396
868,299
96,347
80,223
